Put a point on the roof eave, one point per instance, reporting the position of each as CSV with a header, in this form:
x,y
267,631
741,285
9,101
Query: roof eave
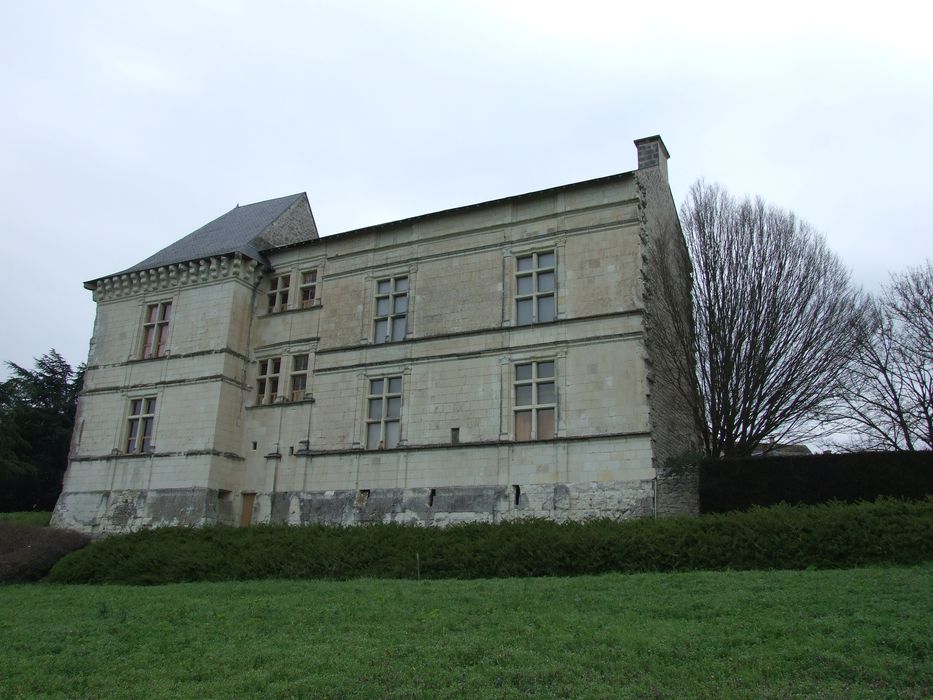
x,y
258,256
467,207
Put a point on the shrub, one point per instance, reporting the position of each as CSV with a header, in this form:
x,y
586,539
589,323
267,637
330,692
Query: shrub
x,y
28,552
835,535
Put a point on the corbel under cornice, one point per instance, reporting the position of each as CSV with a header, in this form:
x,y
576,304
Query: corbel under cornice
x,y
218,267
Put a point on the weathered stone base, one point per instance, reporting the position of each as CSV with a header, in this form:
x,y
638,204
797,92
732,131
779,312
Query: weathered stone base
x,y
455,504
101,513
678,492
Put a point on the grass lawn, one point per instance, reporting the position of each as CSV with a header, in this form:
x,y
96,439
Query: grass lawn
x,y
40,518
834,634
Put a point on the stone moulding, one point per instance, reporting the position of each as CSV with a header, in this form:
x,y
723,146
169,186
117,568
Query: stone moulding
x,y
156,455
122,286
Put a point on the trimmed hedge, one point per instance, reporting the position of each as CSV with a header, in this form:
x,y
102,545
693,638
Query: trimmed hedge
x,y
28,552
727,485
783,537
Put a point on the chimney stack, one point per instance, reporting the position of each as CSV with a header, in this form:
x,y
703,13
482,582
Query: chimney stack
x,y
652,153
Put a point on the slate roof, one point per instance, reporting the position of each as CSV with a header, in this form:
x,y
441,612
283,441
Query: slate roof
x,y
234,232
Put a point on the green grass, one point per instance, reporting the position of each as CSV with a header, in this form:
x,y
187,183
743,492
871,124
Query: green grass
x,y
861,633
40,518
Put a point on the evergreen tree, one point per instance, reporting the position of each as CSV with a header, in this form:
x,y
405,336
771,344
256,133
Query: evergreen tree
x,y
37,411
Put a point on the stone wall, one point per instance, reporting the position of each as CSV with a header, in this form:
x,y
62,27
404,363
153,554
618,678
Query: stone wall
x,y
219,450
678,491
668,333
104,513
129,510
446,505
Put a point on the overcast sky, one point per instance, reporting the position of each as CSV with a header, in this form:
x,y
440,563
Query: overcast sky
x,y
126,125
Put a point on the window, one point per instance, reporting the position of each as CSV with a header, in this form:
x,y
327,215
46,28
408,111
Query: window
x,y
535,401
535,284
391,319
307,289
267,381
278,293
383,413
299,377
155,329
139,429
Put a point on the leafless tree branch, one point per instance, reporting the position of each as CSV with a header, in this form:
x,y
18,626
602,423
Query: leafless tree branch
x,y
774,322
888,397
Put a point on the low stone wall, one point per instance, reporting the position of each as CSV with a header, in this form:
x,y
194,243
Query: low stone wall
x,y
678,492
454,504
101,513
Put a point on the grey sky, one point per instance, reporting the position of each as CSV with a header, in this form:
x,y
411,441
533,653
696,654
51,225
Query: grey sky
x,y
127,125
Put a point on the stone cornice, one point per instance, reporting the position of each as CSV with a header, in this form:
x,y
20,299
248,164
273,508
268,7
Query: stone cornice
x,y
234,266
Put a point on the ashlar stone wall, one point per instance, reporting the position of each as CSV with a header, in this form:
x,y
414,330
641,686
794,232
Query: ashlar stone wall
x,y
223,455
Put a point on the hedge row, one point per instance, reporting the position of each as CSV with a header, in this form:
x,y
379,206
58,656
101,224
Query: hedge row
x,y
28,552
783,537
727,485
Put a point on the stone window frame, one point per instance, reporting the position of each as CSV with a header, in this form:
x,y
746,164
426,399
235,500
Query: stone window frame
x,y
277,298
308,287
155,329
139,433
390,291
306,278
510,275
507,363
382,393
539,270
299,375
284,374
363,395
268,383
529,379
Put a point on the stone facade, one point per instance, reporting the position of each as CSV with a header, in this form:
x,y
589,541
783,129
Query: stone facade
x,y
482,363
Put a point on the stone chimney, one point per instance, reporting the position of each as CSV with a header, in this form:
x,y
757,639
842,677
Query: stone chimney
x,y
652,153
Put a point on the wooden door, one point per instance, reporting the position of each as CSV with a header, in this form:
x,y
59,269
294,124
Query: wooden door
x,y
246,515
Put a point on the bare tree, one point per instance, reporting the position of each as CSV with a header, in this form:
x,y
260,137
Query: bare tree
x,y
909,297
773,325
888,402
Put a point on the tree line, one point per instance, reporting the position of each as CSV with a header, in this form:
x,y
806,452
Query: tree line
x,y
779,346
